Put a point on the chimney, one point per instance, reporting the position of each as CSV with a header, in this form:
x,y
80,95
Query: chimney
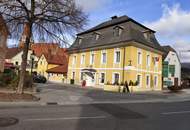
x,y
114,17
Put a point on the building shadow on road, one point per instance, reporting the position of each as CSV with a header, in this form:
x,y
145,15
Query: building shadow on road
x,y
105,116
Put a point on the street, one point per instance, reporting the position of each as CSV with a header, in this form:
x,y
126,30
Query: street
x,y
143,116
64,107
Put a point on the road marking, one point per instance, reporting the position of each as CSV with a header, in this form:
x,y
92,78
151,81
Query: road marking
x,y
65,118
177,112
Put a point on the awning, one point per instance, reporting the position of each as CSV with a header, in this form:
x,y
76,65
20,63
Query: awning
x,y
88,70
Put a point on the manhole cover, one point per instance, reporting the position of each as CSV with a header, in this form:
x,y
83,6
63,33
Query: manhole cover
x,y
8,121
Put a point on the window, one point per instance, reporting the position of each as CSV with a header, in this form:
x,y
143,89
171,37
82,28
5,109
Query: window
x,y
104,57
92,58
74,60
117,31
147,80
102,78
80,41
117,56
82,59
139,58
172,70
148,60
139,80
82,76
155,80
96,36
116,78
73,75
16,63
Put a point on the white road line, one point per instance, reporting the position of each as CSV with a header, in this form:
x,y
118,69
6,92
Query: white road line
x,y
177,112
65,118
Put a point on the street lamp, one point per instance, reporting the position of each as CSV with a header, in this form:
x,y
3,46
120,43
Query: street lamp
x,y
32,56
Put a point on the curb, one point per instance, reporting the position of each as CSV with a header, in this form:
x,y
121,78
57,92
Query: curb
x,y
38,104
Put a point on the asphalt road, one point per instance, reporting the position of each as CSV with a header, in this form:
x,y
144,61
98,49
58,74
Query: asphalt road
x,y
145,116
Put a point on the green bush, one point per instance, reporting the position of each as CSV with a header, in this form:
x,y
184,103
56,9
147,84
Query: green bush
x,y
10,79
72,81
131,83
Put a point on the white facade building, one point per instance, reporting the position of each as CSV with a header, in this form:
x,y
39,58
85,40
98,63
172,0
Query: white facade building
x,y
171,67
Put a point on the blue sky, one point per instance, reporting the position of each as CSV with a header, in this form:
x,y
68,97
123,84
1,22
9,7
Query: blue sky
x,y
170,18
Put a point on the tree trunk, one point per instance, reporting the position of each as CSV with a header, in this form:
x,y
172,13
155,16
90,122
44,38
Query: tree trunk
x,y
27,28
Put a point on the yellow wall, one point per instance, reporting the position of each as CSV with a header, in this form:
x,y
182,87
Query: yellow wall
x,y
43,66
57,77
110,67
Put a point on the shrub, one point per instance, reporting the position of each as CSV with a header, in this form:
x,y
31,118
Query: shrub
x,y
131,83
108,83
10,79
122,84
72,81
174,88
136,83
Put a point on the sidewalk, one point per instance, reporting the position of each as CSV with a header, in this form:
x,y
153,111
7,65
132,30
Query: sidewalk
x,y
59,94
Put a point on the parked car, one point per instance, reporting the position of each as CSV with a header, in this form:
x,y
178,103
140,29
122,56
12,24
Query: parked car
x,y
39,79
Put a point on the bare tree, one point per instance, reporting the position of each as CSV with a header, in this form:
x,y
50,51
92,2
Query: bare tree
x,y
44,19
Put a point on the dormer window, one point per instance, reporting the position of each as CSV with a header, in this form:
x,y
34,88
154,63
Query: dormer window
x,y
96,36
147,35
79,40
117,31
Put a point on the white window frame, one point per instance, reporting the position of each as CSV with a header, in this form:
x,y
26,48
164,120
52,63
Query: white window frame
x,y
74,59
92,53
140,84
79,41
155,85
80,74
115,52
97,36
139,61
73,76
148,60
155,62
100,78
82,60
113,77
103,52
148,75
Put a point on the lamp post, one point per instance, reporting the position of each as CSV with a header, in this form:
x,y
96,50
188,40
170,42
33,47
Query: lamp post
x,y
32,56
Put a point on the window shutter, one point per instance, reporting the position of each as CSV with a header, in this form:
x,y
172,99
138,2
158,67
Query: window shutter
x,y
165,69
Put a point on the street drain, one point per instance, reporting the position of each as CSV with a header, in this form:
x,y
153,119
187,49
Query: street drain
x,y
52,103
8,121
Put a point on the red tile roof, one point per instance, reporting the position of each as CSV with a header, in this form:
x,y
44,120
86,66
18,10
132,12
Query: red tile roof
x,y
11,52
62,69
41,48
56,59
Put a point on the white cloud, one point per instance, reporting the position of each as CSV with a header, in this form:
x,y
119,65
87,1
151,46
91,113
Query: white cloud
x,y
90,5
174,23
174,27
183,49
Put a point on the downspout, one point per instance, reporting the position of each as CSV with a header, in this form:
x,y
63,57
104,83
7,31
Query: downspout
x,y
124,65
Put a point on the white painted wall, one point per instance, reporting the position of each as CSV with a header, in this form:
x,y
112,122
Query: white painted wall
x,y
18,58
173,59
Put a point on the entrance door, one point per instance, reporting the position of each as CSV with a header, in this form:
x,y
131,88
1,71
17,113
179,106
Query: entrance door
x,y
175,81
90,79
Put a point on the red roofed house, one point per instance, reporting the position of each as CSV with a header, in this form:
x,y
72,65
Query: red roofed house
x,y
52,63
3,42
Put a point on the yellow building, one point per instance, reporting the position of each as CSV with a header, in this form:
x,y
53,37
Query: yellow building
x,y
117,51
53,67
